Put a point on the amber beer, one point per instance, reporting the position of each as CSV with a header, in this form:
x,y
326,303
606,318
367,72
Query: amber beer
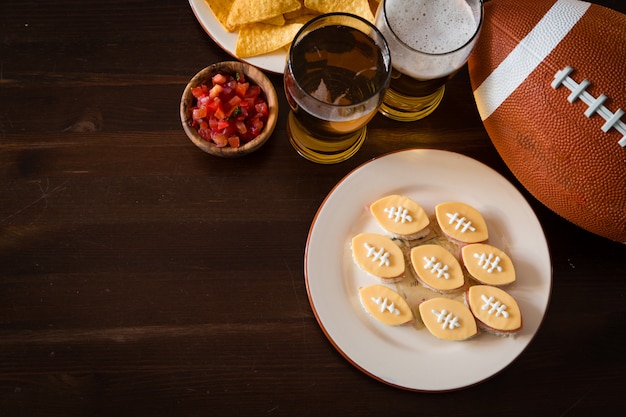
x,y
336,75
429,40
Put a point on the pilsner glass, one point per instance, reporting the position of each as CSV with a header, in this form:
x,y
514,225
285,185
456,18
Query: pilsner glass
x,y
337,72
430,40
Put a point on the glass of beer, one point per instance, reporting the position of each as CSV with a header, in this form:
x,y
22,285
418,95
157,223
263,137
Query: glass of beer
x,y
337,72
430,40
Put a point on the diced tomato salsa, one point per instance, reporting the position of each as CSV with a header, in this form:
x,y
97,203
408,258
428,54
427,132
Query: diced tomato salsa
x,y
230,111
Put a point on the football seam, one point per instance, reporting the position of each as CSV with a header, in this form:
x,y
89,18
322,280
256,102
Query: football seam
x,y
595,104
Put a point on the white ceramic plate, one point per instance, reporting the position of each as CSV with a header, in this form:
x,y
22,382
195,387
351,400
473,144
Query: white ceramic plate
x,y
273,62
404,356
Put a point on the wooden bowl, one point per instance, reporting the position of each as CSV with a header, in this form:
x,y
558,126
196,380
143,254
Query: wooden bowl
x,y
253,75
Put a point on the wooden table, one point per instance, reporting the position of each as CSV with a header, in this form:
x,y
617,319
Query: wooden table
x,y
142,277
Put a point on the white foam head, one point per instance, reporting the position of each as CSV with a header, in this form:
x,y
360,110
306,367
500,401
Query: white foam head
x,y
442,29
435,27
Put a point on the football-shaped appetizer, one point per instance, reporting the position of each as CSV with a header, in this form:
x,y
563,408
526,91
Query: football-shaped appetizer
x,y
379,256
448,319
385,305
436,268
548,78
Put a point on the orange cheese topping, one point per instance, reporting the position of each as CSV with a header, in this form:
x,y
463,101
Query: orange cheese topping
x,y
437,268
399,215
462,222
378,255
385,305
494,307
488,264
448,319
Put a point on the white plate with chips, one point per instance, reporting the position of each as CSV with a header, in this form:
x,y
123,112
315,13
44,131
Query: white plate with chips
x,y
273,62
405,356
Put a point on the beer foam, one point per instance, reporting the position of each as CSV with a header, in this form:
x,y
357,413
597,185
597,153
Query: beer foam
x,y
434,27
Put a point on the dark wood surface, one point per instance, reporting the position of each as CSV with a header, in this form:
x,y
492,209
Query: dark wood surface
x,y
142,277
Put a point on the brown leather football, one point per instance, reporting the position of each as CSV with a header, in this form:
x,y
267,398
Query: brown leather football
x,y
549,79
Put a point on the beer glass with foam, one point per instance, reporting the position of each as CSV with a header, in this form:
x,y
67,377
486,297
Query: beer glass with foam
x,y
429,40
337,72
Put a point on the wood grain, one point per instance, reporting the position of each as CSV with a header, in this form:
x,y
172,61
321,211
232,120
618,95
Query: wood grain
x,y
141,276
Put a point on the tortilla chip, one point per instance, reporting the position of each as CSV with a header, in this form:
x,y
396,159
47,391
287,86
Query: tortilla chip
x,y
244,11
276,20
261,38
358,7
301,19
221,9
300,12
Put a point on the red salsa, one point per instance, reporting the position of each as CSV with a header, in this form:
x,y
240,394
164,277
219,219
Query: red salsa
x,y
230,111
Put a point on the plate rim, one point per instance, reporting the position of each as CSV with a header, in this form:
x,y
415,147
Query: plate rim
x,y
336,344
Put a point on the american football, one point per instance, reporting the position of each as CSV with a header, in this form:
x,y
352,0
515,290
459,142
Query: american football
x,y
549,79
